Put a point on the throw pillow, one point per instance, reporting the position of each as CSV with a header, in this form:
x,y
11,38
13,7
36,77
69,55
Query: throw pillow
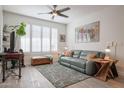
x,y
83,57
76,53
68,53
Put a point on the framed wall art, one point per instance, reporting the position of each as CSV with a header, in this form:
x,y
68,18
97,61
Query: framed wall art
x,y
88,33
62,38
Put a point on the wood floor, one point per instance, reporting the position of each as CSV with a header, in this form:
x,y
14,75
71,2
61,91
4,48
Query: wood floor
x,y
31,78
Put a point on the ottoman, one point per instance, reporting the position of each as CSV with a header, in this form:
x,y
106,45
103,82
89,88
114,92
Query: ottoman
x,y
39,60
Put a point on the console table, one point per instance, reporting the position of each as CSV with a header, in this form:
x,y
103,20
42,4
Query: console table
x,y
5,57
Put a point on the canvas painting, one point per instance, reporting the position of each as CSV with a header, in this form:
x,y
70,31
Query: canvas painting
x,y
62,38
88,33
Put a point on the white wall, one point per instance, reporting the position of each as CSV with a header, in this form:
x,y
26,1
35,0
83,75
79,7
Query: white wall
x,y
1,26
14,19
111,29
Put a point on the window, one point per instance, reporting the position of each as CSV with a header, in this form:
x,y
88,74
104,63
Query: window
x,y
46,39
43,39
36,38
54,39
25,40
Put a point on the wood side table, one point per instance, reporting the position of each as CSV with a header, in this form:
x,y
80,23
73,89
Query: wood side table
x,y
107,69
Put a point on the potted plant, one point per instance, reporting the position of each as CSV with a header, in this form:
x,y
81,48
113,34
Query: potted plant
x,y
21,29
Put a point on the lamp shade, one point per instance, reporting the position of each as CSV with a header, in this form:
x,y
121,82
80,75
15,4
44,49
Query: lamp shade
x,y
108,49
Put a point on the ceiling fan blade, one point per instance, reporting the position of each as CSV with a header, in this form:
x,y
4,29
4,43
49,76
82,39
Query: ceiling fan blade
x,y
53,17
45,13
54,6
64,9
63,15
50,7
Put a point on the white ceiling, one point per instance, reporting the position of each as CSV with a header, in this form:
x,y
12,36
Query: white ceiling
x,y
75,12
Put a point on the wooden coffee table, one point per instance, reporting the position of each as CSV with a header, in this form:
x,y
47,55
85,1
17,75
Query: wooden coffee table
x,y
39,60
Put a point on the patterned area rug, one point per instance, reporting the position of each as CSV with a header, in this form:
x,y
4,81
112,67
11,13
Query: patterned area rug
x,y
61,76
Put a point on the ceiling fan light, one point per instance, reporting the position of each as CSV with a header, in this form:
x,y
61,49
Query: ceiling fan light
x,y
57,12
54,14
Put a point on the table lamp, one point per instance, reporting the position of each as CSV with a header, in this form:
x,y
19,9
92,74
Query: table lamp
x,y
107,50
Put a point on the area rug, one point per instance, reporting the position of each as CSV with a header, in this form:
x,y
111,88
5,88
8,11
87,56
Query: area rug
x,y
61,76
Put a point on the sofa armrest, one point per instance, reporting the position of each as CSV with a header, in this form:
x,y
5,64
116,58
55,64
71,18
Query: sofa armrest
x,y
62,55
91,68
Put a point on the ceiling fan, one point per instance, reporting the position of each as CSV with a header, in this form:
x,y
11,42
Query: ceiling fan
x,y
56,12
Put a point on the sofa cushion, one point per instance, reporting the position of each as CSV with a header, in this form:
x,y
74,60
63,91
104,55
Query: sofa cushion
x,y
79,63
83,55
68,53
65,64
76,53
66,59
74,61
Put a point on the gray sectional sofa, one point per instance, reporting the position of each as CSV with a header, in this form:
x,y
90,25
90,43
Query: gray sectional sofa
x,y
78,62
